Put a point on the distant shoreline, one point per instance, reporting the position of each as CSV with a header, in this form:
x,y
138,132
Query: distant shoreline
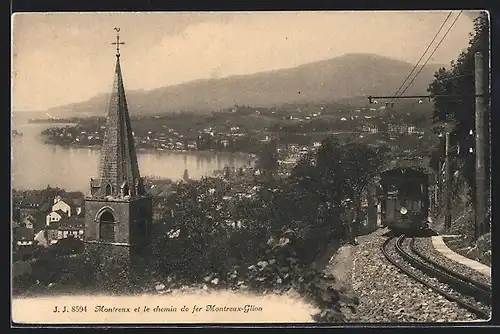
x,y
49,121
142,149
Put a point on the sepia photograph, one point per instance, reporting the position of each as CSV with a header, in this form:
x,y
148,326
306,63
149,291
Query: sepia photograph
x,y
294,167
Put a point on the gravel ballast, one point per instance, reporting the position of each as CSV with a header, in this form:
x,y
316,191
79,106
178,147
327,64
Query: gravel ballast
x,y
385,293
432,280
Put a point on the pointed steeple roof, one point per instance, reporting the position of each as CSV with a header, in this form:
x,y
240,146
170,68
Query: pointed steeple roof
x,y
119,170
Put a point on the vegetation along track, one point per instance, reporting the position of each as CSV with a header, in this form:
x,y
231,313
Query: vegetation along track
x,y
467,293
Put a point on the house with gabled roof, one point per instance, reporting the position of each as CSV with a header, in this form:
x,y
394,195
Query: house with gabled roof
x,y
29,222
56,216
62,205
71,202
66,205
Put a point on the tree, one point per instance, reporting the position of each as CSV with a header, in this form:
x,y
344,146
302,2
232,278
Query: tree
x,y
348,168
199,143
321,182
231,144
268,158
194,236
227,172
458,80
185,177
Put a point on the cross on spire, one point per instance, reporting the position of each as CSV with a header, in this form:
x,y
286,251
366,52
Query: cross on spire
x,y
118,43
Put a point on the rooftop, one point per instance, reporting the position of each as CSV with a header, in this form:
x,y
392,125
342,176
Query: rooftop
x,y
23,233
61,213
33,200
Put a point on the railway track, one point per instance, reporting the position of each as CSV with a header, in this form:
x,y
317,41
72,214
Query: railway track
x,y
471,295
478,288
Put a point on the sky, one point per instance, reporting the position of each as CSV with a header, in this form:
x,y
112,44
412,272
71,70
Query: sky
x,y
62,58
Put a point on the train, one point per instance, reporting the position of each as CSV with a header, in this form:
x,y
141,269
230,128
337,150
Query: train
x,y
404,199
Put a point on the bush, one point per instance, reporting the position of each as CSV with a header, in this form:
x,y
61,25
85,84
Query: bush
x,y
94,270
483,246
214,238
287,225
464,225
22,284
271,264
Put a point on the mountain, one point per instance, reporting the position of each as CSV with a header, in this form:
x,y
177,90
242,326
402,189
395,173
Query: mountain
x,y
340,78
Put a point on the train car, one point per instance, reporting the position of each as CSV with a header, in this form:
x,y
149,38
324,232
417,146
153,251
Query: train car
x,y
405,200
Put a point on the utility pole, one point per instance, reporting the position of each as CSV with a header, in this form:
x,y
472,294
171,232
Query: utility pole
x,y
480,191
447,173
437,189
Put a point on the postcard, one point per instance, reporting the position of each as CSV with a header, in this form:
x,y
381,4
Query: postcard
x,y
306,167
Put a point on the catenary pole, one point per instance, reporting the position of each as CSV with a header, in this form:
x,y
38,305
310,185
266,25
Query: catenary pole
x,y
480,177
447,181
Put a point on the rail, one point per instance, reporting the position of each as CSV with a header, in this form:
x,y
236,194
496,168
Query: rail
x,y
483,288
452,281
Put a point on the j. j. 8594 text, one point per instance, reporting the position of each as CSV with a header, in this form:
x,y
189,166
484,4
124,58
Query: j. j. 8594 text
x,y
64,309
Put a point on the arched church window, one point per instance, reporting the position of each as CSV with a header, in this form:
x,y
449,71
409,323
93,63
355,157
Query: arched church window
x,y
108,189
106,226
126,190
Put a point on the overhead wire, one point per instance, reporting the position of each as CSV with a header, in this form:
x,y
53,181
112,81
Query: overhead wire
x,y
430,56
456,77
423,54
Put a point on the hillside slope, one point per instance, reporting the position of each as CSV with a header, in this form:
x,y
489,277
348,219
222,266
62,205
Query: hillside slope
x,y
344,77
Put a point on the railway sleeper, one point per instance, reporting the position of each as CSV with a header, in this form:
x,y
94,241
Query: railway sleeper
x,y
480,313
459,285
480,285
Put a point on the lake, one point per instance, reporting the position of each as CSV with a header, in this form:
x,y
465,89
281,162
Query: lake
x,y
35,165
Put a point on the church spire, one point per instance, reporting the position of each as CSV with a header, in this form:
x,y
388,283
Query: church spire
x,y
119,170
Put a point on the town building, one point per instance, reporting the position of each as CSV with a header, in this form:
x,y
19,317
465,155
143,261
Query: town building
x,y
73,227
71,202
23,237
46,216
403,129
31,205
118,212
29,222
370,128
68,227
56,216
64,206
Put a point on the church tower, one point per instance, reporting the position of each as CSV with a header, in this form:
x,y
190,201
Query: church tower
x,y
118,212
